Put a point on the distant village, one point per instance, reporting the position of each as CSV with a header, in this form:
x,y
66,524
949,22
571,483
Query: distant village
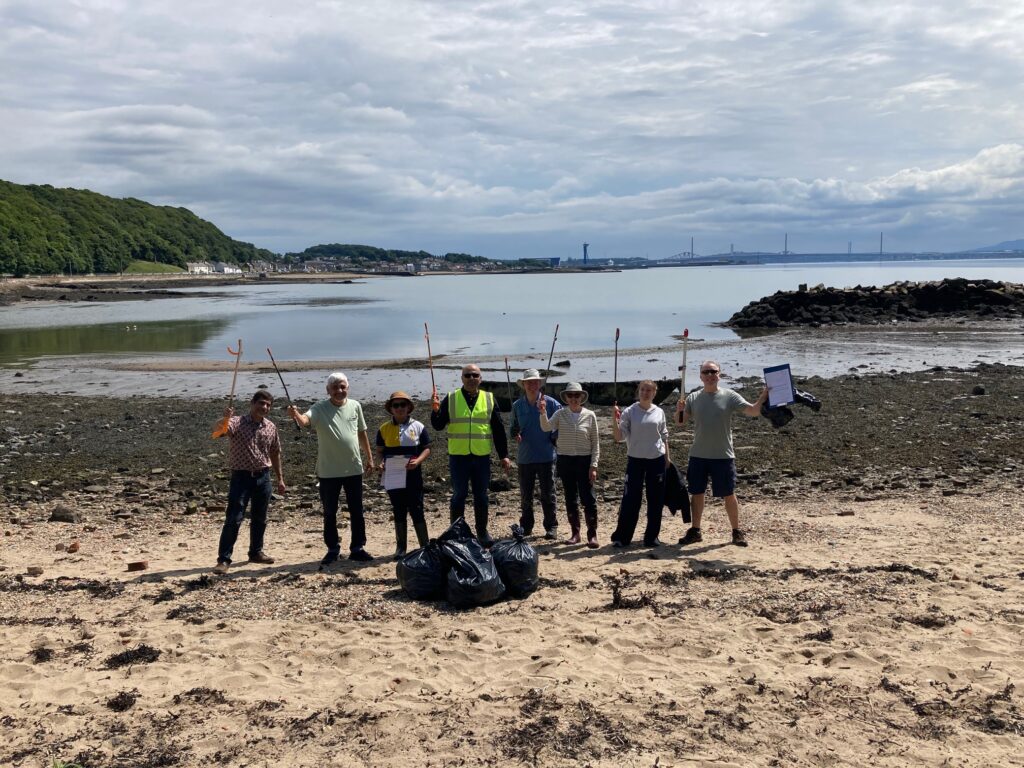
x,y
342,264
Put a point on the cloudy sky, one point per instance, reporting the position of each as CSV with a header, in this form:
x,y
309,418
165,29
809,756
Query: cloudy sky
x,y
525,128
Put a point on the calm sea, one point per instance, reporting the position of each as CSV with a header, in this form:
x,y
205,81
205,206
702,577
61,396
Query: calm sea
x,y
483,315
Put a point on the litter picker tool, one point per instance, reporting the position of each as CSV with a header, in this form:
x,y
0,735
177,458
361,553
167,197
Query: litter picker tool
x,y
615,375
283,385
550,356
682,371
508,378
430,362
222,426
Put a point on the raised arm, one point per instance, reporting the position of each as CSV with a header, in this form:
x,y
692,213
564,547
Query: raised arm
x,y
755,408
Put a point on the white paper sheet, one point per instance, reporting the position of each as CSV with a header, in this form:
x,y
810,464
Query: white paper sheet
x,y
394,472
779,381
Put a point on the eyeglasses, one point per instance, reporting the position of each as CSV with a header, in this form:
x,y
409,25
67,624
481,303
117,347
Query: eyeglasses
x,y
471,375
710,372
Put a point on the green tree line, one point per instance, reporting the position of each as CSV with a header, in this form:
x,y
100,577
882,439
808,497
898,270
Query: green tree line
x,y
369,254
44,230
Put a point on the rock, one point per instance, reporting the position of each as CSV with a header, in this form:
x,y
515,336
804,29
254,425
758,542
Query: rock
x,y
563,364
138,565
499,484
94,489
191,508
157,471
73,547
34,570
64,514
978,389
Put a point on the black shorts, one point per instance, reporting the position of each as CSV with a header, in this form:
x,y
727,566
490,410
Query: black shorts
x,y
722,473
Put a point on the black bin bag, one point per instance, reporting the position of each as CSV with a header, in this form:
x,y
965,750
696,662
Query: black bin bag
x,y
422,573
517,563
472,578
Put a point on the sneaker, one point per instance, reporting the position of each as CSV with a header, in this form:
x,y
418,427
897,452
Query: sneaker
x,y
592,542
262,558
692,536
551,533
361,555
329,559
221,568
739,538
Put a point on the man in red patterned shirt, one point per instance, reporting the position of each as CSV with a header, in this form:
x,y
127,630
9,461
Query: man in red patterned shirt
x,y
253,448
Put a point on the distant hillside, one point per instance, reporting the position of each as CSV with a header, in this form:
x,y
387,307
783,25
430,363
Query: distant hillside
x,y
1008,245
44,230
369,254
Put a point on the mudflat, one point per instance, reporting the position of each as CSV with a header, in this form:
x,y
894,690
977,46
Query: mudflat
x,y
878,615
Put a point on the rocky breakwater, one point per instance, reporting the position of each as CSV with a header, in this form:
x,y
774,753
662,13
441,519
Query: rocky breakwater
x,y
952,298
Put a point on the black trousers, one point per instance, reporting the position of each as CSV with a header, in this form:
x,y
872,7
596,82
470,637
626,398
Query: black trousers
x,y
574,472
641,474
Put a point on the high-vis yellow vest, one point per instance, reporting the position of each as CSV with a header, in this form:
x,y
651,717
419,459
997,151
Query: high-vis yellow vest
x,y
469,431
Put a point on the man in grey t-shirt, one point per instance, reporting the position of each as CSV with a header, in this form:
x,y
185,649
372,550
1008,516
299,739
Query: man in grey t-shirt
x,y
711,455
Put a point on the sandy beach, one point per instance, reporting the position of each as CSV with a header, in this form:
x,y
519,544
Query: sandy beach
x,y
877,617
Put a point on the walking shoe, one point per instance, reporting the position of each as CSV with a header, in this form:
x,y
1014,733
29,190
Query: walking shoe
x,y
692,536
329,559
739,538
220,568
551,533
592,542
361,555
262,558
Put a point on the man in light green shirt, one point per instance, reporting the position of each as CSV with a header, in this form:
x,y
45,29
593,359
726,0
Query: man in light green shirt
x,y
340,432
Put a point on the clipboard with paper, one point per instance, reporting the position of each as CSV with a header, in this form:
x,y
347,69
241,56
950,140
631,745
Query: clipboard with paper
x,y
779,381
394,472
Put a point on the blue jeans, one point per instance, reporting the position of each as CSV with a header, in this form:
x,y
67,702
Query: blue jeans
x,y
641,473
245,488
466,471
529,475
330,492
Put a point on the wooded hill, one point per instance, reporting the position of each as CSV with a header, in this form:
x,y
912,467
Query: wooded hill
x,y
368,254
44,230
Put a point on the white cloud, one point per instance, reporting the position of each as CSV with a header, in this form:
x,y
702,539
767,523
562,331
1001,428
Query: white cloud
x,y
484,126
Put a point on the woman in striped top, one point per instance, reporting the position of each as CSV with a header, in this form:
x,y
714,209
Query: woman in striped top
x,y
578,453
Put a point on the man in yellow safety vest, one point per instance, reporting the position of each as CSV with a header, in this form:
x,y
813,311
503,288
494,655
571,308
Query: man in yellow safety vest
x,y
474,427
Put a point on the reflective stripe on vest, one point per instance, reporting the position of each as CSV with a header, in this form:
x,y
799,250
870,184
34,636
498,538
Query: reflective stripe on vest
x,y
469,431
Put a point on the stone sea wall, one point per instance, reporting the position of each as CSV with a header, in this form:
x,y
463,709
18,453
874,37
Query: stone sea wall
x,y
952,298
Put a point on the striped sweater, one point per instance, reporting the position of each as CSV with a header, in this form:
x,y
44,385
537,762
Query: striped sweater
x,y
576,436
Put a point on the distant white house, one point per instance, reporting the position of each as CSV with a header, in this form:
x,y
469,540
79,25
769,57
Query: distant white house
x,y
222,268
199,267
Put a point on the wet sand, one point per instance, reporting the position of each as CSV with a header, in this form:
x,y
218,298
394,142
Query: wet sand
x,y
824,353
877,617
